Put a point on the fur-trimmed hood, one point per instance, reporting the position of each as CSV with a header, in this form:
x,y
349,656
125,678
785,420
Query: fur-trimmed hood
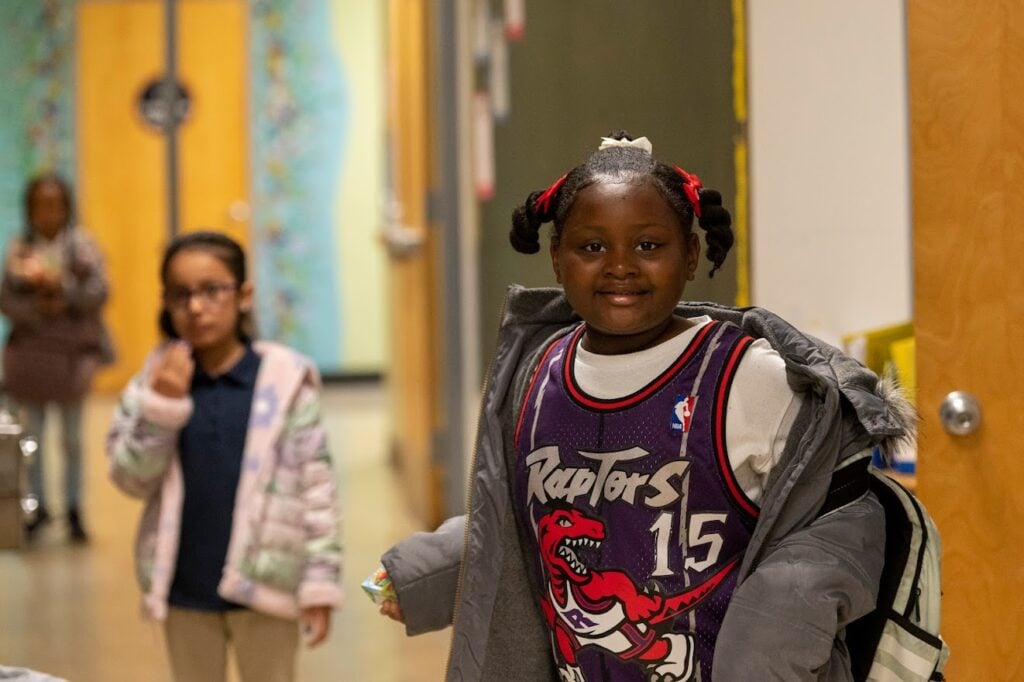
x,y
879,403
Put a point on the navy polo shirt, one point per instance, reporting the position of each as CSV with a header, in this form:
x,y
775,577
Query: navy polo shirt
x,y
211,448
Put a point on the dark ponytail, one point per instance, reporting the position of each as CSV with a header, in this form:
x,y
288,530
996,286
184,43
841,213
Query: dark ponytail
x,y
716,222
527,219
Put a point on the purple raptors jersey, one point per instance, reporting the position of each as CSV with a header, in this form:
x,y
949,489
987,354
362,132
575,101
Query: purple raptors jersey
x,y
636,522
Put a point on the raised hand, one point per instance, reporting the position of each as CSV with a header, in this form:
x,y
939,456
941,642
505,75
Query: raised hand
x,y
173,374
30,268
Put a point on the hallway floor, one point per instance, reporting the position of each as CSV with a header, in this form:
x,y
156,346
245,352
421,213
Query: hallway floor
x,y
73,611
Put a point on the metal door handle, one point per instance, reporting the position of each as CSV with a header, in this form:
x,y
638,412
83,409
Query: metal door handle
x,y
960,413
402,241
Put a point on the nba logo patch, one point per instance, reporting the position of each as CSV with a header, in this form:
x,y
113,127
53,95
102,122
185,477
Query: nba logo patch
x,y
682,413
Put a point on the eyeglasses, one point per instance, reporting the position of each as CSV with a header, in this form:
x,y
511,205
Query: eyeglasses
x,y
210,294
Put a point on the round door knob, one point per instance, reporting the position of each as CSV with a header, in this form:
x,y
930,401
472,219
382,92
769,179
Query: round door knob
x,y
960,413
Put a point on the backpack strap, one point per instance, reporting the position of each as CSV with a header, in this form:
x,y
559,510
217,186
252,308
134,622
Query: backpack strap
x,y
850,481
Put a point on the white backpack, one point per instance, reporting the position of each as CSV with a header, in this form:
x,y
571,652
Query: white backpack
x,y
900,639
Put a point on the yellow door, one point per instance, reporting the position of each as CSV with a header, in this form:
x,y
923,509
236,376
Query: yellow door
x,y
213,63
967,136
122,163
413,376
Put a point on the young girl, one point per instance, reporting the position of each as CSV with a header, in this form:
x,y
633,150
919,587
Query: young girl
x,y
660,491
53,290
222,438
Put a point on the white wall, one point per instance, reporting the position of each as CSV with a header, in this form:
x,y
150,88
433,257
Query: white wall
x,y
829,163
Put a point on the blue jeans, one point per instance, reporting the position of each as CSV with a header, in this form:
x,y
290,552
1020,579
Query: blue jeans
x,y
71,432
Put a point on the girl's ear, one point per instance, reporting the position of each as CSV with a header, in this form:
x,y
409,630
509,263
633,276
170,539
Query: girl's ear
x,y
245,296
554,260
692,255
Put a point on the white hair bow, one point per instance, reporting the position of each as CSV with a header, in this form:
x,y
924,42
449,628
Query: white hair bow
x,y
640,143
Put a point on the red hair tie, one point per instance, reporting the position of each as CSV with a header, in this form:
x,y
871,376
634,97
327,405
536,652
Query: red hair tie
x,y
544,200
692,186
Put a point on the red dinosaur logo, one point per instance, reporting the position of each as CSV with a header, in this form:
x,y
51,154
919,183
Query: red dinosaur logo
x,y
586,606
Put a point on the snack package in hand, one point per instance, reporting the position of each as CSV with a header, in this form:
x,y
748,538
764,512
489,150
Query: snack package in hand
x,y
378,586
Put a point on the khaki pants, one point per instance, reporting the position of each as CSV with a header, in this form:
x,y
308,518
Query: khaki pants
x,y
197,643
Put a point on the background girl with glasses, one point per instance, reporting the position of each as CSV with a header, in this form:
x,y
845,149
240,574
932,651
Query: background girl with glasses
x,y
221,435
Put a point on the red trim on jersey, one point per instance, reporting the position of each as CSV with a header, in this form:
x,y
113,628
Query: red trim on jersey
x,y
536,373
577,394
721,399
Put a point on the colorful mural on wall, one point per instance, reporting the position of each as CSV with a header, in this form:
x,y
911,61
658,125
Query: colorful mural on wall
x,y
295,160
36,100
299,137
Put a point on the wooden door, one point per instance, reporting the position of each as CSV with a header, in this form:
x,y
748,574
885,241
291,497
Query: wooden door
x,y
122,196
122,163
412,380
966,69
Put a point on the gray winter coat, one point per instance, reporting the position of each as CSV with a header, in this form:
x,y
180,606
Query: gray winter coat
x,y
803,578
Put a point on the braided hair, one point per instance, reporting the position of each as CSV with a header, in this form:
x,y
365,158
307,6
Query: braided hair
x,y
681,190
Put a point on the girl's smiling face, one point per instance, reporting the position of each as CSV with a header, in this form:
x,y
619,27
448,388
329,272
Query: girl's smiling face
x,y
623,259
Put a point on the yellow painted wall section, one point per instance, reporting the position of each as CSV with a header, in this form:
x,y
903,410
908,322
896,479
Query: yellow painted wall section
x,y
121,188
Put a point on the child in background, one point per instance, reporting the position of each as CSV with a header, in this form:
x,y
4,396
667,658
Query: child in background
x,y
661,491
53,290
221,435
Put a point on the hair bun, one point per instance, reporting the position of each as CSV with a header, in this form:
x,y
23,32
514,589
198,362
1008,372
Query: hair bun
x,y
523,244
525,233
714,216
710,197
620,135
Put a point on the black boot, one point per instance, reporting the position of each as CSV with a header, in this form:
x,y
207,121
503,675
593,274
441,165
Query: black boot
x,y
41,518
78,533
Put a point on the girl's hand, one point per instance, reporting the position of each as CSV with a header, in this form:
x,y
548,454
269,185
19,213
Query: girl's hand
x,y
391,609
316,623
30,268
51,281
173,375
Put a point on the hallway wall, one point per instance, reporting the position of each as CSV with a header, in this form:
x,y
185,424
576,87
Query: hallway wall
x,y
829,163
317,99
